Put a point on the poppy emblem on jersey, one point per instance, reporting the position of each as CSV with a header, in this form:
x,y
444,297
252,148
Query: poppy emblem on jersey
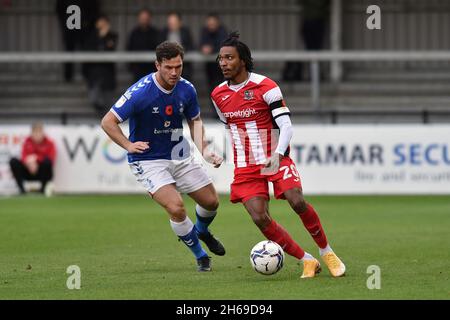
x,y
169,110
166,124
248,95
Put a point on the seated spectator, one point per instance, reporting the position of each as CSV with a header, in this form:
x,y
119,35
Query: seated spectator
x,y
101,76
144,37
212,35
176,32
36,163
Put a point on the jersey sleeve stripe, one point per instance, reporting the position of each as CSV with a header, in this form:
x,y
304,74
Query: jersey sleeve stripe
x,y
273,95
280,111
117,116
276,104
195,117
282,114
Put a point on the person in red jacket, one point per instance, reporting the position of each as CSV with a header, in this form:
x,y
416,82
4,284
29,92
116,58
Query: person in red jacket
x,y
38,157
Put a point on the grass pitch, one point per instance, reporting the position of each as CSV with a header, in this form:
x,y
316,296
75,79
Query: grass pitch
x,y
126,249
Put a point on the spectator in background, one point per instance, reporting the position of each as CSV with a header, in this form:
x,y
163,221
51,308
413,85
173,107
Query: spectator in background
x,y
144,37
101,76
176,32
74,39
38,158
314,19
212,35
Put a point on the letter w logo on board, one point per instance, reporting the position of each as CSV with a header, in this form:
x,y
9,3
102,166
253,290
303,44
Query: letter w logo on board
x,y
72,151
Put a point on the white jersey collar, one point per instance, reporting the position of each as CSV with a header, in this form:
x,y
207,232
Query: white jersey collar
x,y
239,86
160,87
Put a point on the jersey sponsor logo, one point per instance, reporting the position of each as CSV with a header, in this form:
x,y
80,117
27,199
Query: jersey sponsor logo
x,y
167,131
155,110
240,113
169,110
121,101
249,95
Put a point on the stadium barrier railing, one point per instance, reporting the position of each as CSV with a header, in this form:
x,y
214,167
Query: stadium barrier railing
x,y
313,57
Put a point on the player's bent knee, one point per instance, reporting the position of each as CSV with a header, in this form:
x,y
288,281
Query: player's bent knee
x,y
296,201
261,220
212,204
176,210
299,205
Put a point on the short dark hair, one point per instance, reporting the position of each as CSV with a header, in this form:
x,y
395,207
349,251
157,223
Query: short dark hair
x,y
175,13
168,50
242,49
103,16
213,15
145,10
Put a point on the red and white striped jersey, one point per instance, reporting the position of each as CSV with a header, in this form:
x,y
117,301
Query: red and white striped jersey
x,y
250,110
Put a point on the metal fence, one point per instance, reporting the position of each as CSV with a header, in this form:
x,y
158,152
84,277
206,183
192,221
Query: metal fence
x,y
314,59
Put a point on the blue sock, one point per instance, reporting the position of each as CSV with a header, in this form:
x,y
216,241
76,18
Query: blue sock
x,y
191,240
202,223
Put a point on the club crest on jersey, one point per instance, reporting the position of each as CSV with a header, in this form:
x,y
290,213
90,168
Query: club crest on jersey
x,y
155,110
169,110
166,124
248,95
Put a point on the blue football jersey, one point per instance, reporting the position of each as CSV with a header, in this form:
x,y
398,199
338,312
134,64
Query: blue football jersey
x,y
156,115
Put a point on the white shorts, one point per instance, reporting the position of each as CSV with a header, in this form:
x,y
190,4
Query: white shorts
x,y
188,176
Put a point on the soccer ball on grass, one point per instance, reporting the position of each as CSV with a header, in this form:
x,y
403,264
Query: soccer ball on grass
x,y
267,257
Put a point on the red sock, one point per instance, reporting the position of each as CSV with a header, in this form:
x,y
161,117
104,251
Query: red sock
x,y
278,234
312,223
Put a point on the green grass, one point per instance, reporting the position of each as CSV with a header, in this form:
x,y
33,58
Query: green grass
x,y
127,250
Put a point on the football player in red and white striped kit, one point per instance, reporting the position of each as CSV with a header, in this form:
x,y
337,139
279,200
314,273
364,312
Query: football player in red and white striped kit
x,y
253,108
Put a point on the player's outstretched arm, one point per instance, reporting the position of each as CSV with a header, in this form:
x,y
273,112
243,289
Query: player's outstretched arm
x,y
110,124
197,131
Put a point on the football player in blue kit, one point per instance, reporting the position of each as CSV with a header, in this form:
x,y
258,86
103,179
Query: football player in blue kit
x,y
159,155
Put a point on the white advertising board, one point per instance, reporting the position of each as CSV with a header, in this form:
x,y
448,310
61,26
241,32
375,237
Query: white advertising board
x,y
339,159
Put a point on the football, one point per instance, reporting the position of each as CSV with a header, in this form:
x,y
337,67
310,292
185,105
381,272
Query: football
x,y
267,257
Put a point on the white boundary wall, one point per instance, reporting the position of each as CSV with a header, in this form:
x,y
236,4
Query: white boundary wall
x,y
343,159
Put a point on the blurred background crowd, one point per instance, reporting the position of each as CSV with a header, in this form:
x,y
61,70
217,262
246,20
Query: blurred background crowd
x,y
360,91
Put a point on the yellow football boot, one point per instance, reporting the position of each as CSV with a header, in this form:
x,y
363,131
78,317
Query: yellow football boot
x,y
311,267
334,264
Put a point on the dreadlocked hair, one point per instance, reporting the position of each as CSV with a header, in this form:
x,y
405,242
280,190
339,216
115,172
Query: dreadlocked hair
x,y
242,49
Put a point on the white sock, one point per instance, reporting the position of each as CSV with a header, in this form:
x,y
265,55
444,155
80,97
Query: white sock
x,y
307,256
182,228
325,250
204,213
